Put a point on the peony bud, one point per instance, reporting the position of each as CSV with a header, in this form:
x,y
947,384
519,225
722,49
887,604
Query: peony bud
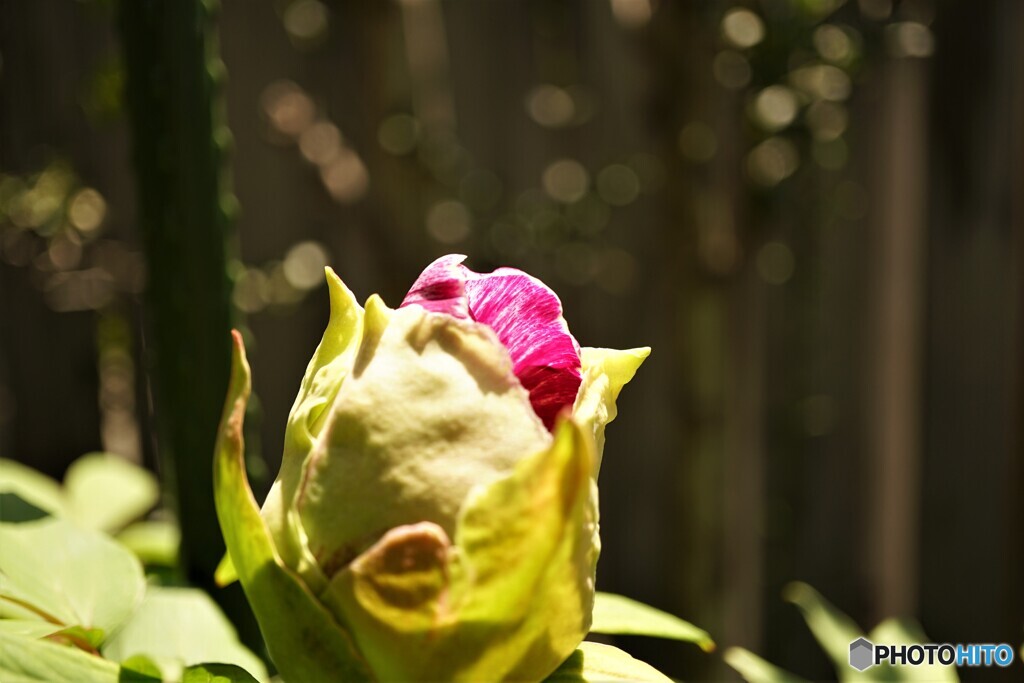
x,y
437,495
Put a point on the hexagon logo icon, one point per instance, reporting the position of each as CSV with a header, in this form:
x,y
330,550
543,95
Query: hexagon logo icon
x,y
862,654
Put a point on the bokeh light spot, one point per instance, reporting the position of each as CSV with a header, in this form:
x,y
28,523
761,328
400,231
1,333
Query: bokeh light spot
x,y
289,109
775,107
731,69
449,221
306,21
742,28
550,106
346,177
304,265
772,161
565,180
909,39
698,142
398,134
775,263
827,120
632,13
618,185
320,143
833,43
822,81
86,210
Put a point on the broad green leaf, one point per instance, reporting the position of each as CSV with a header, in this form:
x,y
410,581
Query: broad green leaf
x,y
154,542
304,639
71,576
107,492
26,660
753,669
216,673
180,627
903,632
31,486
619,615
31,628
510,601
595,662
833,630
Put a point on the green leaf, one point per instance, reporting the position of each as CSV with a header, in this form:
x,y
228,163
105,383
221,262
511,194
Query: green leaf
x,y
619,615
179,627
593,662
753,669
905,632
31,628
216,673
26,660
31,486
154,542
107,492
304,640
140,668
67,575
833,630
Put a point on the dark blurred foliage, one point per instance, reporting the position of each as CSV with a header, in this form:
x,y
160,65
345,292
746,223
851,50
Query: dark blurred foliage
x,y
811,209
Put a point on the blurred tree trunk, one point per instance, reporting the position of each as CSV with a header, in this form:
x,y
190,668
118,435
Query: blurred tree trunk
x,y
970,548
894,342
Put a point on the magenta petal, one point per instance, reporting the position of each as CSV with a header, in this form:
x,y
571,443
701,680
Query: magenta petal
x,y
526,316
441,287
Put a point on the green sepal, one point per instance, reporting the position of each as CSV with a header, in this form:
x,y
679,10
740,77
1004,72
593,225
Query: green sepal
x,y
598,663
510,599
605,372
327,370
619,615
304,639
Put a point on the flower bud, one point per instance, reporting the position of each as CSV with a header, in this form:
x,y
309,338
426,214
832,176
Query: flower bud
x,y
437,493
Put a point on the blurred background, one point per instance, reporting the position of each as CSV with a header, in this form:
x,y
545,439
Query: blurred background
x,y
811,210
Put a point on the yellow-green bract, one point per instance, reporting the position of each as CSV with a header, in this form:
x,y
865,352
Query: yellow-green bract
x,y
425,525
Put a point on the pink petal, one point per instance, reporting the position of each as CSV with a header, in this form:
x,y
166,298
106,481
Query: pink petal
x,y
526,316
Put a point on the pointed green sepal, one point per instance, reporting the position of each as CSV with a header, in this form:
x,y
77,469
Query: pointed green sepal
x,y
305,641
605,372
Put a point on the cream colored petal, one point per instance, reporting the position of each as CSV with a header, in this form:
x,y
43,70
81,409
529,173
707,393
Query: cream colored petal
x,y
430,410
